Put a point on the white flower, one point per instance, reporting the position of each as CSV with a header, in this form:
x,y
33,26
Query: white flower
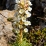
x,y
22,2
25,30
23,19
19,17
20,26
21,11
27,13
29,8
26,23
17,1
29,3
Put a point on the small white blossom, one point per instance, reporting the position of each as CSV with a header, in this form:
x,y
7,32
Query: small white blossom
x,y
23,19
29,8
19,17
26,23
17,1
29,3
20,26
22,2
21,11
25,30
27,13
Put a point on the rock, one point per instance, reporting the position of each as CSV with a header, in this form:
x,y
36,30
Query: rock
x,y
3,42
7,13
1,33
8,26
5,27
1,27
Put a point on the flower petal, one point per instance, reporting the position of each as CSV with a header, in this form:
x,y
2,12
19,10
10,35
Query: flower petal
x,y
23,19
29,3
21,11
29,8
25,30
26,23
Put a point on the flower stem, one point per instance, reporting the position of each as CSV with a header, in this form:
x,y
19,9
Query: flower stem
x,y
21,35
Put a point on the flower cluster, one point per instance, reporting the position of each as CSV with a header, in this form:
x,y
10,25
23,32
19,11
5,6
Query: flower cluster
x,y
23,13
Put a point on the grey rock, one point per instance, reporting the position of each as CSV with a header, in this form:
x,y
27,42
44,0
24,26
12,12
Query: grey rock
x,y
5,27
